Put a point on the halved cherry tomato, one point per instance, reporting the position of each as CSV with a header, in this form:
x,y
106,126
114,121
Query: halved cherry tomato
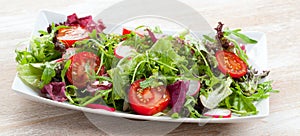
x,y
70,35
81,64
231,64
148,101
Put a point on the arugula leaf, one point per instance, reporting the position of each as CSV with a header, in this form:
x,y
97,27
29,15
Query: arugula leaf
x,y
157,30
244,38
151,81
119,83
164,48
263,90
63,72
206,37
102,45
189,105
71,94
43,32
237,33
240,104
99,95
48,73
242,54
24,57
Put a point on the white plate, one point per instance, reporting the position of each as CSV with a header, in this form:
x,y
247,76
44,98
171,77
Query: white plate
x,y
257,54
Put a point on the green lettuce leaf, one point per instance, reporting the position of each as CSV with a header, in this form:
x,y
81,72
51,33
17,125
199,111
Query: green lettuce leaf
x,y
30,74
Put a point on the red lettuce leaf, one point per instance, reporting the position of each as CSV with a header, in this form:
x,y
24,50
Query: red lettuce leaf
x,y
178,91
85,22
152,35
56,91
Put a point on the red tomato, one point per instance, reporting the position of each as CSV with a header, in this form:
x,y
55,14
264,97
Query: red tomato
x,y
148,101
231,64
126,31
81,63
69,36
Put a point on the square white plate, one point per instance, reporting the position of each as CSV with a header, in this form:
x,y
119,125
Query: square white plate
x,y
257,56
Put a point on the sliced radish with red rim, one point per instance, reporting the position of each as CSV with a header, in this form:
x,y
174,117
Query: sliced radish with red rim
x,y
69,52
218,113
122,51
99,106
194,88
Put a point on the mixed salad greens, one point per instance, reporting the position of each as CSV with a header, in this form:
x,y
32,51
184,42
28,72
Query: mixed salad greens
x,y
144,71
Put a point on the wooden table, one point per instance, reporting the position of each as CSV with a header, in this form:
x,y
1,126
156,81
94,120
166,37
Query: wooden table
x,y
279,19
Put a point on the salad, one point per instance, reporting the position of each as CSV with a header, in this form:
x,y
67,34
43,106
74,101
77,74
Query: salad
x,y
143,71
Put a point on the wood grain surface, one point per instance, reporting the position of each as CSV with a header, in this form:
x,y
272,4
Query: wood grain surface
x,y
279,19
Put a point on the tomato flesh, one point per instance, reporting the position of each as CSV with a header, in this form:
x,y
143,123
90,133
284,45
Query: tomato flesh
x,y
148,101
70,35
82,63
125,31
229,63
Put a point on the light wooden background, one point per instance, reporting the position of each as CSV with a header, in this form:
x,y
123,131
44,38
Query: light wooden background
x,y
279,19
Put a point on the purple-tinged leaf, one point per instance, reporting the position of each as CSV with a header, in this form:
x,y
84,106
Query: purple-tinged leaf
x,y
85,22
178,91
56,91
152,35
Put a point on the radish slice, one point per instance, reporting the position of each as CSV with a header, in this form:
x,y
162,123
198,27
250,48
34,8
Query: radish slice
x,y
218,113
99,106
123,51
194,88
69,52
